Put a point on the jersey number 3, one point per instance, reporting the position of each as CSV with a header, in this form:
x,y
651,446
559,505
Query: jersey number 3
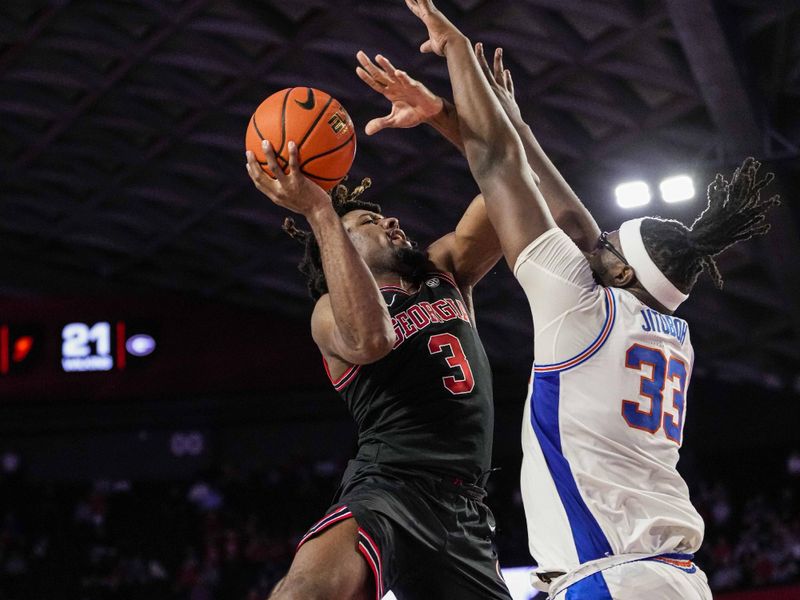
x,y
652,387
456,360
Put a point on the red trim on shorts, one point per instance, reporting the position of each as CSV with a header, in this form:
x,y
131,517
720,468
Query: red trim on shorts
x,y
340,514
369,549
366,545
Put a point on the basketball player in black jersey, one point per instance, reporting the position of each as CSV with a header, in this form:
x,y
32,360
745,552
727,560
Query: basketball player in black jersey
x,y
396,330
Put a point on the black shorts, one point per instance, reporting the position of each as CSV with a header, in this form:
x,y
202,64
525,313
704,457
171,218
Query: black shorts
x,y
422,537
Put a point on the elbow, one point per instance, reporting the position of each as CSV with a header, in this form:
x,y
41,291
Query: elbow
x,y
373,346
498,159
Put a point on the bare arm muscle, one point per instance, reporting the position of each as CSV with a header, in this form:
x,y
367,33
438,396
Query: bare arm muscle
x,y
351,322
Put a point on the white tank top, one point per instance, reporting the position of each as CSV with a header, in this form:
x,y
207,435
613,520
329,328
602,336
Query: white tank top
x,y
604,417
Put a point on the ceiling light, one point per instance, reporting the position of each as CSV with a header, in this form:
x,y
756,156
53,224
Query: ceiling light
x,y
632,194
677,189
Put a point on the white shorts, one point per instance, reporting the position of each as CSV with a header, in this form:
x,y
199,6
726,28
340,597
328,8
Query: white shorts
x,y
651,578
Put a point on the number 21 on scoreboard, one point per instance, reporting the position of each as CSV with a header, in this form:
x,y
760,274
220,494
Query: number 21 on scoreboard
x,y
639,357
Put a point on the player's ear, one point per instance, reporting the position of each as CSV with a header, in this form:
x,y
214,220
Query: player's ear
x,y
624,277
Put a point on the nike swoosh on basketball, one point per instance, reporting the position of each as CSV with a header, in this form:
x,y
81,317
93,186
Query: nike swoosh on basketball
x,y
310,101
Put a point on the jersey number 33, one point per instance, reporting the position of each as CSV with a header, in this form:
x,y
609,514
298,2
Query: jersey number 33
x,y
656,371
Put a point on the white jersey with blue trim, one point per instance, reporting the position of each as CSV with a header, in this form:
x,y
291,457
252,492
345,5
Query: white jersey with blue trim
x,y
604,417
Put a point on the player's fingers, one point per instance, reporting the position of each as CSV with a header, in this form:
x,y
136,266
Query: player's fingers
x,y
272,162
509,83
405,79
249,167
259,177
386,65
479,54
250,159
426,47
376,125
498,64
294,159
364,61
369,80
370,67
253,168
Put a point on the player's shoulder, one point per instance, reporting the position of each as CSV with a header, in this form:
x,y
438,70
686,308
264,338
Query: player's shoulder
x,y
321,319
321,306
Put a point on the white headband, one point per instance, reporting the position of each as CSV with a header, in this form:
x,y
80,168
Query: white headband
x,y
650,276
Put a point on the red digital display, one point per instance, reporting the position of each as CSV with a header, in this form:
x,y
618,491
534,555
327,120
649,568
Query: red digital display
x,y
19,347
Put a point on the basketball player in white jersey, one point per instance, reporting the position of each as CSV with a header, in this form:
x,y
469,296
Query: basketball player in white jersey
x,y
609,516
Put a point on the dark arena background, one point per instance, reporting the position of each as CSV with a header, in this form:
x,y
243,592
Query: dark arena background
x,y
166,426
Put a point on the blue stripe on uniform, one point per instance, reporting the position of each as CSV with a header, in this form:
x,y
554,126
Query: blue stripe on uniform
x,y
590,541
593,587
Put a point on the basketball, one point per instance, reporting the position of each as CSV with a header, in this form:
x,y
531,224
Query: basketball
x,y
316,122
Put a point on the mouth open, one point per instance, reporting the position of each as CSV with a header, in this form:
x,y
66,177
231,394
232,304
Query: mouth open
x,y
397,234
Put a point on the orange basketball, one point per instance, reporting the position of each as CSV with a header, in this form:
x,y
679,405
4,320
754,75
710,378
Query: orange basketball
x,y
316,122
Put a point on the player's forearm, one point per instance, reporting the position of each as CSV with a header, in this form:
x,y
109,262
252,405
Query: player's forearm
x,y
480,248
358,307
446,123
490,141
568,211
495,154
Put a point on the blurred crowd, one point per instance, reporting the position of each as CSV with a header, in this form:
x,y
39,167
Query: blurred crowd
x,y
231,535
753,532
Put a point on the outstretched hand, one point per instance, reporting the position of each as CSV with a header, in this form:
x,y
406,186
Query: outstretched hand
x,y
440,29
412,102
290,190
500,81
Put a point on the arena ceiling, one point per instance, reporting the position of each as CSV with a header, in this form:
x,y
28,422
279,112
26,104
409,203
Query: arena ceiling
x,y
122,125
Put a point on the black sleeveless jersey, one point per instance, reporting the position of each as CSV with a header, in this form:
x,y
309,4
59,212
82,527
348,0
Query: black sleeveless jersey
x,y
428,403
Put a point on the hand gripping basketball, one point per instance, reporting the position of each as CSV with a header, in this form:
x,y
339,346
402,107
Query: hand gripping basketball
x,y
319,125
290,189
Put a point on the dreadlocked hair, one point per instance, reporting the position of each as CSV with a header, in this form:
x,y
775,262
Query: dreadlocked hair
x,y
735,212
344,201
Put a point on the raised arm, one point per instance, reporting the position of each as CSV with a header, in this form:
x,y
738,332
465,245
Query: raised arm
x,y
413,103
472,249
351,322
493,148
568,211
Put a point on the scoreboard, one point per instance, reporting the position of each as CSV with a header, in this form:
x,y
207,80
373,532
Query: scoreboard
x,y
84,347
103,346
139,345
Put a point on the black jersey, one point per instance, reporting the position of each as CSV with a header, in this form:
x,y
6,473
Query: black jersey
x,y
428,403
